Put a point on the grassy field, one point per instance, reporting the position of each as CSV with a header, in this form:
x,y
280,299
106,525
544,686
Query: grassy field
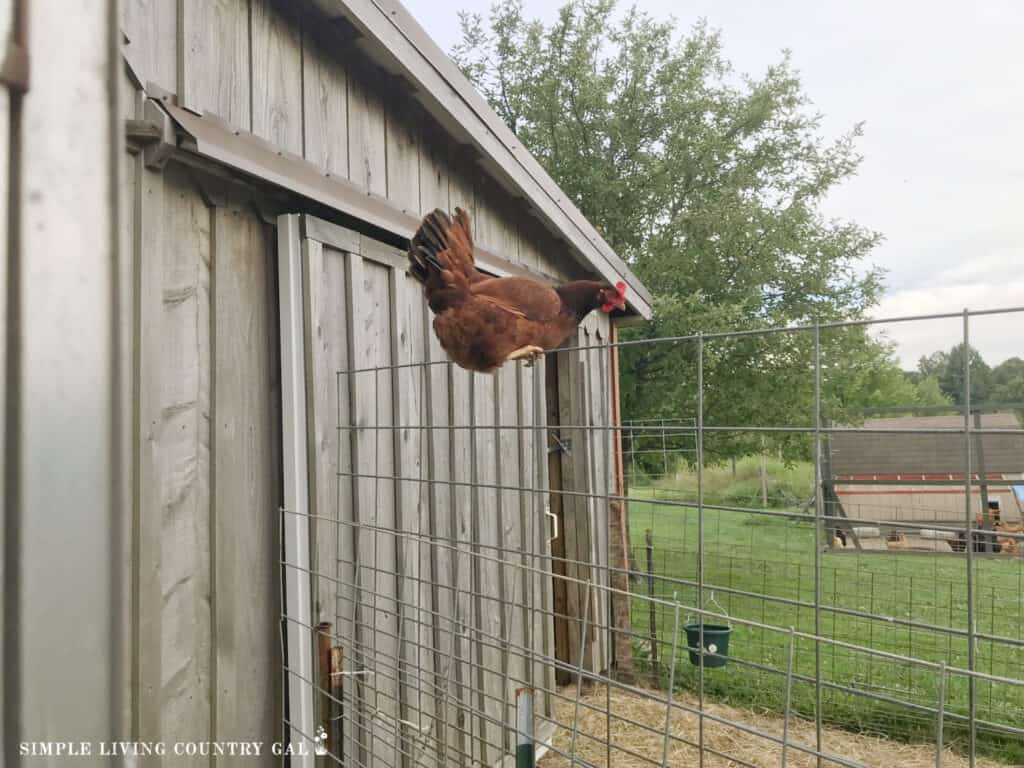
x,y
773,557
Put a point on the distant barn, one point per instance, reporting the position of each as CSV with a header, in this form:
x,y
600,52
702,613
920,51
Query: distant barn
x,y
920,478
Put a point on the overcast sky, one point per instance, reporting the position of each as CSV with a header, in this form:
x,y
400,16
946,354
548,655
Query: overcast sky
x,y
940,87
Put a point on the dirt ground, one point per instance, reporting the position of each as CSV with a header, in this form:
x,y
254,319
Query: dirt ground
x,y
646,745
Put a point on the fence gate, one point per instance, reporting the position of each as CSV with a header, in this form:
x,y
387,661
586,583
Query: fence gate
x,y
415,543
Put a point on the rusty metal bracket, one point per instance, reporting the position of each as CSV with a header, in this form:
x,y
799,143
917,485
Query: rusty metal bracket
x,y
14,72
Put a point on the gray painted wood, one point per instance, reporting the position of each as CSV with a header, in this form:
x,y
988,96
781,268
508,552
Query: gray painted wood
x,y
325,103
489,601
277,89
148,510
377,547
152,30
510,529
544,632
466,578
360,416
326,316
183,465
244,518
433,174
442,555
215,59
131,170
574,529
403,156
366,142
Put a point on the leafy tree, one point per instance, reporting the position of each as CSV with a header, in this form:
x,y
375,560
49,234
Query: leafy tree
x,y
710,185
929,391
931,365
951,376
1008,381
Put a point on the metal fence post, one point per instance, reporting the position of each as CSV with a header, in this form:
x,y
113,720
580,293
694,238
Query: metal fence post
x,y
789,693
671,682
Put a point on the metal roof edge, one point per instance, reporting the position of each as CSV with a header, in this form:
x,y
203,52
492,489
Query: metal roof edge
x,y
210,137
391,27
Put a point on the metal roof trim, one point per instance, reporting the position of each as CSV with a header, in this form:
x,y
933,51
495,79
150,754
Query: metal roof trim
x,y
388,25
210,137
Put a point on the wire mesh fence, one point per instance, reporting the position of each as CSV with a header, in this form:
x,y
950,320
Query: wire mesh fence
x,y
505,572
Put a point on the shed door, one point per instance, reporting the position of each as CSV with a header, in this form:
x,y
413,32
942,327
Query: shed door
x,y
424,531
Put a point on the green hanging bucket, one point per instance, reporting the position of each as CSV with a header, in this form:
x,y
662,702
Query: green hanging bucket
x,y
716,640
716,644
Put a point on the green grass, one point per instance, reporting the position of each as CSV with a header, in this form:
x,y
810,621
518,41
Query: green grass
x,y
774,558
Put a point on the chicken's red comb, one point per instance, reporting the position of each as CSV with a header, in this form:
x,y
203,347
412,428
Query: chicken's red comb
x,y
621,288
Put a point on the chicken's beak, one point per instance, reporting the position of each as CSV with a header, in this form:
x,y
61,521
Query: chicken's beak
x,y
621,306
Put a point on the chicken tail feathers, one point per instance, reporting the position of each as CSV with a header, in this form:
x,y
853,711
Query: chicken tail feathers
x,y
440,245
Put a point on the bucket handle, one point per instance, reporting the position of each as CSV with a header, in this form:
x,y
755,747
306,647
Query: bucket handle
x,y
710,601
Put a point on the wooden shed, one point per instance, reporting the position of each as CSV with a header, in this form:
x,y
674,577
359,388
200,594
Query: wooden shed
x,y
917,472
274,382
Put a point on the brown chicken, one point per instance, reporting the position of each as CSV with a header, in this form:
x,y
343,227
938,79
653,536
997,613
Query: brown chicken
x,y
482,321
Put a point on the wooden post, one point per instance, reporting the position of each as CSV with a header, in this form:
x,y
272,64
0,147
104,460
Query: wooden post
x,y
336,731
653,616
622,626
323,646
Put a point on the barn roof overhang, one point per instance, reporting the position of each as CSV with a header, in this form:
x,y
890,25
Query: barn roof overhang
x,y
391,37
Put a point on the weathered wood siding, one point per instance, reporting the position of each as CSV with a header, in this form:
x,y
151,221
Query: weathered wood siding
x,y
204,530
295,80
426,583
585,448
431,621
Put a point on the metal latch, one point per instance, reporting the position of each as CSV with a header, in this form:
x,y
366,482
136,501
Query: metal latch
x,y
565,446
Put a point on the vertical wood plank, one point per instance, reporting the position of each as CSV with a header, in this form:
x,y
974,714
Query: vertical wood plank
x,y
325,104
245,518
412,518
214,64
152,30
147,522
360,416
573,529
366,139
462,187
510,531
276,76
545,625
131,170
489,599
442,555
463,497
433,174
184,464
403,158
371,345
326,300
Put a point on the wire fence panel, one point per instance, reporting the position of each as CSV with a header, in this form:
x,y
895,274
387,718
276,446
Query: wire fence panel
x,y
665,589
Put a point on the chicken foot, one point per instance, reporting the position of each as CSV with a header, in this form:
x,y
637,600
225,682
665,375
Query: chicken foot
x,y
530,351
